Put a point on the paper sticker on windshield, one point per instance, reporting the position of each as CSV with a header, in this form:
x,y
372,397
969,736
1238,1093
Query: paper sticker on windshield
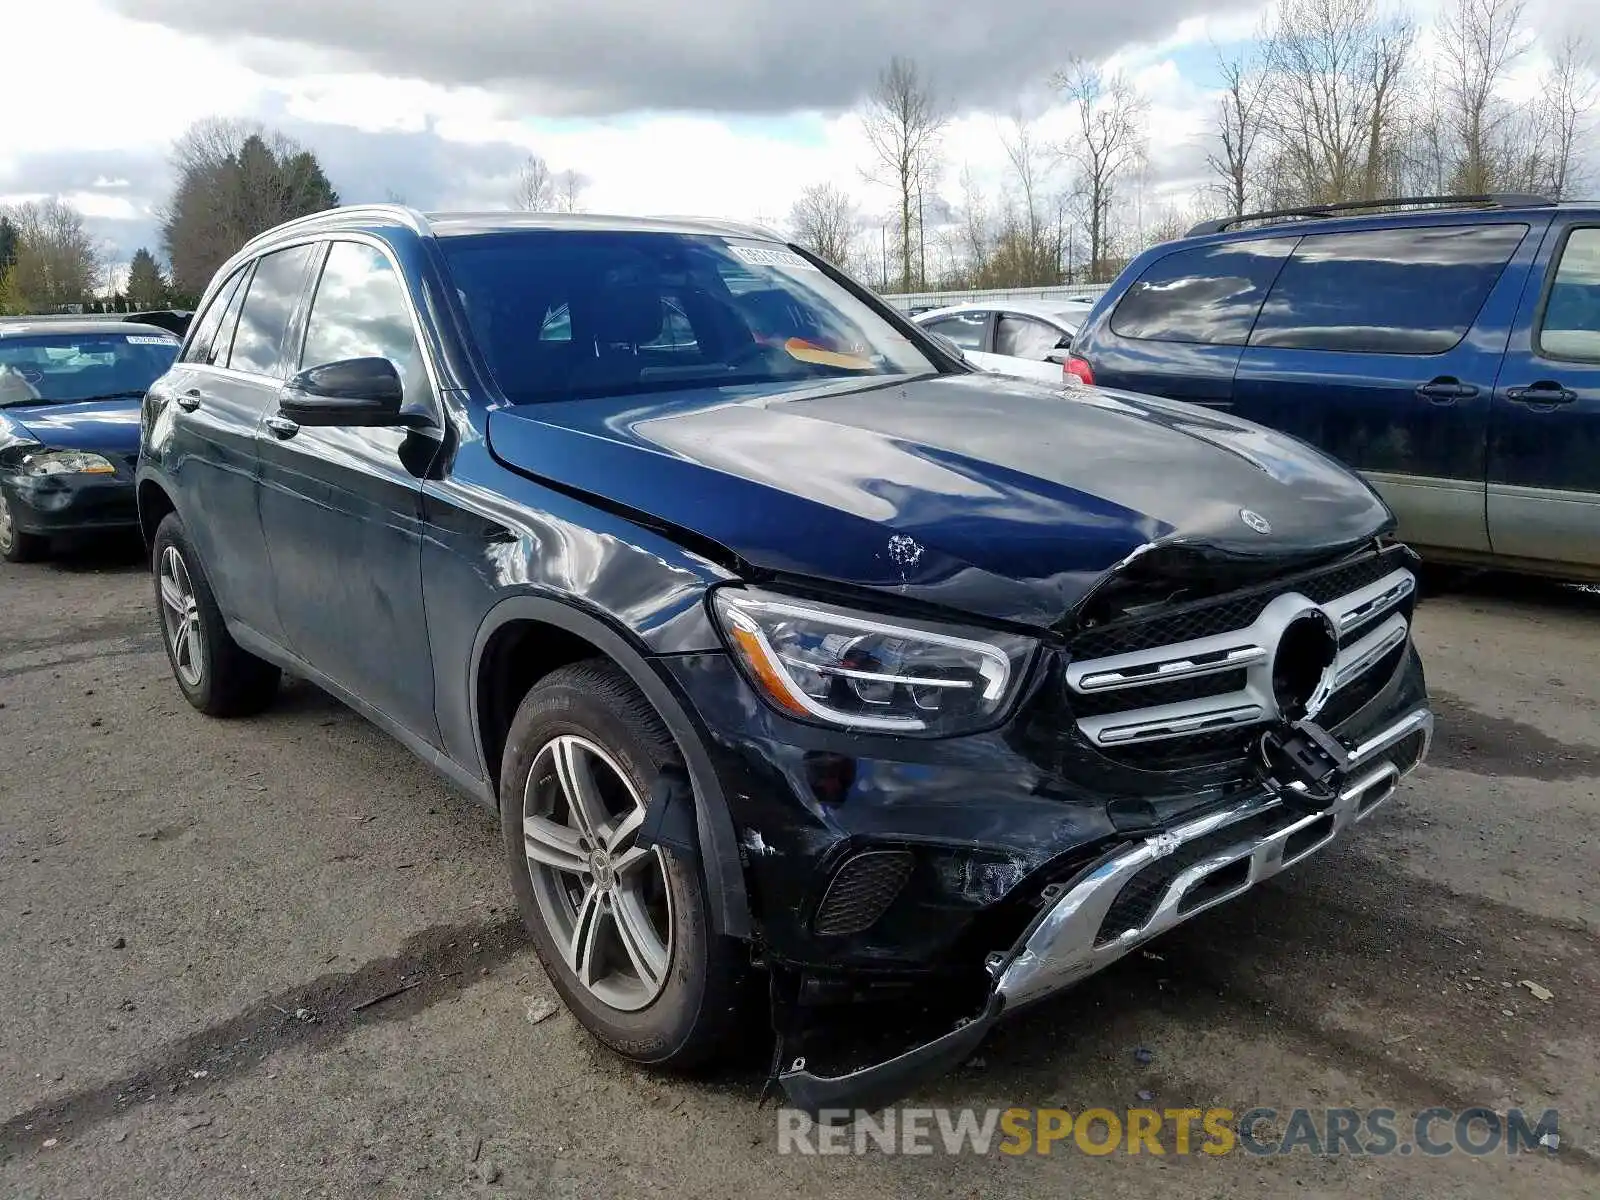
x,y
764,256
139,339
809,352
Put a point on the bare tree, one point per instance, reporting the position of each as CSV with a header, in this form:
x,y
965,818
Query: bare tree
x,y
57,262
1240,116
567,188
1480,41
534,190
1027,232
1107,142
1570,94
903,122
1334,99
823,220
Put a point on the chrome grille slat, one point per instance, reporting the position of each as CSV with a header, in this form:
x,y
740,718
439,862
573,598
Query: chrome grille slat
x,y
1366,638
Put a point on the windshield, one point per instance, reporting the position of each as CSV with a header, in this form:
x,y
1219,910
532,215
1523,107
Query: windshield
x,y
562,314
58,368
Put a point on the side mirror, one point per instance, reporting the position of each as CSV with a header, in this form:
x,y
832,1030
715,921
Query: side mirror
x,y
362,392
949,345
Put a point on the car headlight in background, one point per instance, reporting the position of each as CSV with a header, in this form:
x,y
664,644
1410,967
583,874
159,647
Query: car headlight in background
x,y
66,462
838,667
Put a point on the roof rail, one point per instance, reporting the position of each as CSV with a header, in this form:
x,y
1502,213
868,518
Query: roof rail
x,y
1494,200
724,225
398,213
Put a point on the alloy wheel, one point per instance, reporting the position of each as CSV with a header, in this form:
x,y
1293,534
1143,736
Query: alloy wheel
x,y
180,617
8,528
604,899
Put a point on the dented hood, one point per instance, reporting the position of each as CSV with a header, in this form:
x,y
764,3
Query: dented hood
x,y
991,496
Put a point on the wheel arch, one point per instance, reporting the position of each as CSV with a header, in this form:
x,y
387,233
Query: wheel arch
x,y
567,634
154,502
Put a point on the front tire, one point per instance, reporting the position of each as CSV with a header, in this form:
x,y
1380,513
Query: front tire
x,y
213,671
15,545
623,931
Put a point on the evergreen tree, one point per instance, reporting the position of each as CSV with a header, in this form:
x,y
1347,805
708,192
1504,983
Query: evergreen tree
x,y
147,286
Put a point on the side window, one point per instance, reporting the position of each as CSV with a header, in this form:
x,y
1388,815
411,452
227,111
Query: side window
x,y
1024,337
964,329
268,308
360,311
199,349
676,334
223,342
1570,327
1386,291
557,324
1210,294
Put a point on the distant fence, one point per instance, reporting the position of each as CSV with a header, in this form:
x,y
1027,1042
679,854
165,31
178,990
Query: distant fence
x,y
905,302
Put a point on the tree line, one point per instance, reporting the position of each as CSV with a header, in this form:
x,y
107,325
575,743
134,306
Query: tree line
x,y
1335,100
232,180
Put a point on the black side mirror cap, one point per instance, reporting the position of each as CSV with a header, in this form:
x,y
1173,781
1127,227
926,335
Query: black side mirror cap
x,y
360,392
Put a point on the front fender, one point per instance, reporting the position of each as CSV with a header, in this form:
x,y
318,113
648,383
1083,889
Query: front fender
x,y
719,849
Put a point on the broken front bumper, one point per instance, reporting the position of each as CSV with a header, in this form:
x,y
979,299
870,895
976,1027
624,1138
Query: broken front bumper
x,y
1135,893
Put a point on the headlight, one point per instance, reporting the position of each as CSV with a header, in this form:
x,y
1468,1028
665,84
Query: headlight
x,y
838,667
66,462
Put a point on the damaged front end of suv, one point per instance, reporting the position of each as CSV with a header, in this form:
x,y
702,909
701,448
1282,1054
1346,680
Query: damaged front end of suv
x,y
998,806
1163,760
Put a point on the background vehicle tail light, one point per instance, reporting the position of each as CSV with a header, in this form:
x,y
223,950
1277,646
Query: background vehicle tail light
x,y
1079,369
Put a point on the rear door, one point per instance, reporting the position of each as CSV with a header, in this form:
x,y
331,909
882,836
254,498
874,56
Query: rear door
x,y
1544,431
212,458
1023,344
1381,347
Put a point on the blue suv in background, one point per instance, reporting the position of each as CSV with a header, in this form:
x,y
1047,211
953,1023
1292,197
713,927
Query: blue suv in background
x,y
1446,348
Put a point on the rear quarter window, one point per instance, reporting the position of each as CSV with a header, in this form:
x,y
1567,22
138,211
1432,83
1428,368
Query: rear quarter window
x,y
1570,326
1210,294
1407,290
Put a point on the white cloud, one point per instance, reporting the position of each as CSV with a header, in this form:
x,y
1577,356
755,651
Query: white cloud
x,y
441,142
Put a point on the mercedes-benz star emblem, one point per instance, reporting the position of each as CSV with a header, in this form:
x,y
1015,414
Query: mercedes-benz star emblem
x,y
1255,520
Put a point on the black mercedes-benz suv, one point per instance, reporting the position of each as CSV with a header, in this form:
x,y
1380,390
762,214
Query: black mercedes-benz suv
x,y
789,648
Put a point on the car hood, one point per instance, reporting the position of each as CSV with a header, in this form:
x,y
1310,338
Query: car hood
x,y
101,426
992,496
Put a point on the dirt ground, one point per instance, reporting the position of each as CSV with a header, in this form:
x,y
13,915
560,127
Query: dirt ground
x,y
194,915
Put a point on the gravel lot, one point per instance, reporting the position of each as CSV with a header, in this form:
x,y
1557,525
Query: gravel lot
x,y
191,913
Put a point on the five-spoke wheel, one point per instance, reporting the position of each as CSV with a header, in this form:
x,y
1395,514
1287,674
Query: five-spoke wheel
x,y
603,897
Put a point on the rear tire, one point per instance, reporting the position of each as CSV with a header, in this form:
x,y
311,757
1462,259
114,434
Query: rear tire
x,y
215,674
669,993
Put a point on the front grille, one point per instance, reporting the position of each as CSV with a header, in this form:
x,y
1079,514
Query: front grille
x,y
1194,683
1178,690
1353,697
861,891
1223,614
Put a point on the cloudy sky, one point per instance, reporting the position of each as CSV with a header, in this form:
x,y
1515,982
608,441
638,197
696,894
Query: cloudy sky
x,y
724,107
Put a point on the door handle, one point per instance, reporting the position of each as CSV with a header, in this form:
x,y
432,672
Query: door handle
x,y
282,428
190,400
1446,390
1544,392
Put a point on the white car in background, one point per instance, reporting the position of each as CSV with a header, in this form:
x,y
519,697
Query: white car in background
x,y
1028,338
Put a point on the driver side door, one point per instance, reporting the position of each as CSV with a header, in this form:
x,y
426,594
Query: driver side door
x,y
341,506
